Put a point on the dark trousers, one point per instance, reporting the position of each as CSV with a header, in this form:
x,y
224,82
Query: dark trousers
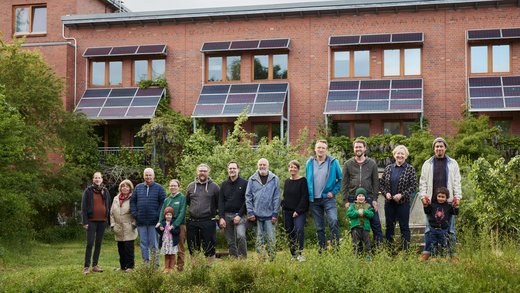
x,y
360,240
395,212
375,224
126,254
294,229
95,232
437,242
202,232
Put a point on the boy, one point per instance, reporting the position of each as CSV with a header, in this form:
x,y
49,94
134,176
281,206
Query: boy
x,y
360,214
439,213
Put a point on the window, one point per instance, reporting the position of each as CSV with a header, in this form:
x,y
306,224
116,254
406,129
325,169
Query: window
x,y
223,68
106,73
351,129
398,127
402,62
503,125
343,67
490,58
137,141
269,67
267,130
222,131
30,19
149,69
109,135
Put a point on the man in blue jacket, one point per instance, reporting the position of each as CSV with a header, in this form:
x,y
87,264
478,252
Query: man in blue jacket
x,y
145,205
323,174
262,204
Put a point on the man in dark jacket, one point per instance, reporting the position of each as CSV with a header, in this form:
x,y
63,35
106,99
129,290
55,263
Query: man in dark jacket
x,y
232,210
361,171
202,199
145,205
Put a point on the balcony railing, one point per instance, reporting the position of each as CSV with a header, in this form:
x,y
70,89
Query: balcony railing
x,y
110,155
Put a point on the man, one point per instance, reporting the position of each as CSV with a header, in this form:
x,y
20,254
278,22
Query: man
x,y
262,203
145,205
324,182
232,210
202,199
361,171
441,171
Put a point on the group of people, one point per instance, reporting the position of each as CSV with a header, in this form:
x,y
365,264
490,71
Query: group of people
x,y
147,211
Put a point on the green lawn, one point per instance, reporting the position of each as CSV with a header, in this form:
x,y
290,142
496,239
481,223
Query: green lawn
x,y
58,268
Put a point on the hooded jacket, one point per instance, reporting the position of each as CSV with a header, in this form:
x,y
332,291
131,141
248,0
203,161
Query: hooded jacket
x,y
263,201
202,199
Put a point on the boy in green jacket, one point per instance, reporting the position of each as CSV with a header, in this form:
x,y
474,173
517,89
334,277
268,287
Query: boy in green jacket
x,y
359,214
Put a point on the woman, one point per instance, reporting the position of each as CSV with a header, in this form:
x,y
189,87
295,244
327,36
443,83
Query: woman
x,y
397,184
123,224
95,211
295,204
177,201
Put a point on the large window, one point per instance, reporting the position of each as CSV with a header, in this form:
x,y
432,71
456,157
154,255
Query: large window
x,y
402,62
269,67
490,58
351,129
149,69
503,125
351,64
267,130
106,73
222,130
30,19
398,127
223,68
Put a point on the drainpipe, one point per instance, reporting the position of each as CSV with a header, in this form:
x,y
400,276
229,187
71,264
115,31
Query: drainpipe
x,y
75,60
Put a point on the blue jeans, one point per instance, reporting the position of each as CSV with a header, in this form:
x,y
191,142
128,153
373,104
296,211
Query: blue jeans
x,y
149,243
397,212
452,238
295,232
327,206
437,242
265,234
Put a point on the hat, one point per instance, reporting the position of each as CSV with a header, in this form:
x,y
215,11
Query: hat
x,y
168,210
439,139
361,190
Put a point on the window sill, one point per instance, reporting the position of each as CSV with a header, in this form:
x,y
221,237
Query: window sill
x,y
29,35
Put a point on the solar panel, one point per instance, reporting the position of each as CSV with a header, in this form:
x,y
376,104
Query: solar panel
x,y
513,103
125,51
511,80
151,49
494,93
261,99
92,52
371,39
120,103
511,32
375,96
485,92
484,81
512,91
267,44
484,34
344,40
129,50
407,37
396,38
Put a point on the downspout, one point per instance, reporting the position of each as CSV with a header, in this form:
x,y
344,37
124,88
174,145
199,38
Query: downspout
x,y
75,60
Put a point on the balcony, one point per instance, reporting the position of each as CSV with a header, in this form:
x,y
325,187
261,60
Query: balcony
x,y
122,155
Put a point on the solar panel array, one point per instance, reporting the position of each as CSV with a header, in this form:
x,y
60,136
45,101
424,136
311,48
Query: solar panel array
x,y
120,103
397,38
490,34
246,45
496,93
375,96
229,100
125,51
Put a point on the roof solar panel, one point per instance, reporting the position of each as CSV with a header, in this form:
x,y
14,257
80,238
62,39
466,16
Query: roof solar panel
x,y
119,102
141,112
229,100
372,39
151,49
123,92
93,52
244,45
275,43
495,93
113,112
95,102
215,46
126,50
344,40
407,37
511,32
484,34
91,113
376,39
148,101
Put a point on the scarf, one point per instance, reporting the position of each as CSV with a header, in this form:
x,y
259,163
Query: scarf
x,y
122,198
98,188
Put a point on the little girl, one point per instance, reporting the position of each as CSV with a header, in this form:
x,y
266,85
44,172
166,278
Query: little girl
x,y
170,239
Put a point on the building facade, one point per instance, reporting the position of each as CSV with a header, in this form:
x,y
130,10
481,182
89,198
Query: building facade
x,y
360,67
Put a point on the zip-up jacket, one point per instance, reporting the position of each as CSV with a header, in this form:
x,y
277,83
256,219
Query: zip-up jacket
x,y
452,175
146,202
87,204
334,177
263,201
202,198
178,203
232,198
356,175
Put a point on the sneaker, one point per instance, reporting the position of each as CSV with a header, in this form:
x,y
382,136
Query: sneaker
x,y
129,270
424,257
300,258
86,270
97,269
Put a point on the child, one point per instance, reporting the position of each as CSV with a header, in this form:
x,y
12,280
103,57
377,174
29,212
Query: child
x,y
359,213
170,239
439,213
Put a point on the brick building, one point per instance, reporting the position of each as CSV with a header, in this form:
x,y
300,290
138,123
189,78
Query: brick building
x,y
363,67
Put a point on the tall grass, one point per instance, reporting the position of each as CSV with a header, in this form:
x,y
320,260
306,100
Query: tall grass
x,y
57,268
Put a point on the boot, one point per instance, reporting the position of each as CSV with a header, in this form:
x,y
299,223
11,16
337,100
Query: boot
x,y
173,261
424,257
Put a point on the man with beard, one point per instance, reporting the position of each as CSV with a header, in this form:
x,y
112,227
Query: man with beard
x,y
262,202
361,171
232,210
145,205
202,199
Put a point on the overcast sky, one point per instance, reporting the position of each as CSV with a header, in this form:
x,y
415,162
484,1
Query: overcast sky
x,y
152,5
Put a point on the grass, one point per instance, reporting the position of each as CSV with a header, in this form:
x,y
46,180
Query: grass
x,y
58,268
